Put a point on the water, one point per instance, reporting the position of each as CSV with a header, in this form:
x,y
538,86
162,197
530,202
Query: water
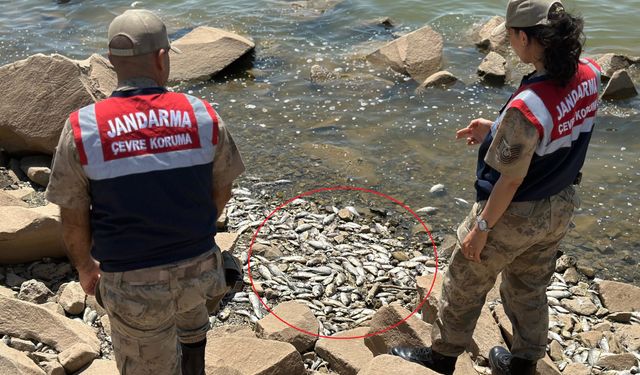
x,y
369,128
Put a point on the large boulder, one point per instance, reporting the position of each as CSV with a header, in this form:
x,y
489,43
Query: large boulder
x,y
388,364
16,362
205,52
30,234
620,87
296,314
7,199
619,297
345,356
101,367
50,88
611,63
486,37
417,54
33,322
486,335
250,356
413,332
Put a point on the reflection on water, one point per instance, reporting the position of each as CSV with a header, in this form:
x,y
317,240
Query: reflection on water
x,y
369,128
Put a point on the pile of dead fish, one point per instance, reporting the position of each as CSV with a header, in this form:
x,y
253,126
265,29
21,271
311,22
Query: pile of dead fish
x,y
339,262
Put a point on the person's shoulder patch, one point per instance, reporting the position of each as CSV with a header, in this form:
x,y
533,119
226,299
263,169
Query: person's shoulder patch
x,y
508,154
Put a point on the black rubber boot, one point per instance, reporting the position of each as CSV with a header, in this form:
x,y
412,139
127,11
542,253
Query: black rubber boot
x,y
428,358
193,358
503,363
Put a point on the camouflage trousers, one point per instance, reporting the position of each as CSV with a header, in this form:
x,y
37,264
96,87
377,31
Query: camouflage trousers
x,y
153,310
523,246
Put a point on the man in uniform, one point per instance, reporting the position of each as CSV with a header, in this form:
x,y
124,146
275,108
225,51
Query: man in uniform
x,y
140,179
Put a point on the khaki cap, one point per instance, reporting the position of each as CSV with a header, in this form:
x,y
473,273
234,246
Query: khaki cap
x,y
145,30
528,13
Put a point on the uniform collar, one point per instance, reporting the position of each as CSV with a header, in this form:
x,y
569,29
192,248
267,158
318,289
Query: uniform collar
x,y
136,84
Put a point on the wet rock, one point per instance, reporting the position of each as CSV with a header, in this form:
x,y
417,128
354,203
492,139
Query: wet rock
x,y
417,54
493,69
564,262
586,270
296,314
345,356
7,199
205,52
51,87
611,63
34,291
101,367
486,38
618,362
429,310
72,298
22,345
29,321
267,251
29,234
389,364
15,362
258,357
620,87
571,275
37,168
576,369
619,297
320,74
443,78
76,357
580,305
412,332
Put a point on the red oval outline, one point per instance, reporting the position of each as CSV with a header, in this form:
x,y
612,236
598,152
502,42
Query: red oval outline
x,y
343,188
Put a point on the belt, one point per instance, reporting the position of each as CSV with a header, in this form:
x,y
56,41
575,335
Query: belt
x,y
190,267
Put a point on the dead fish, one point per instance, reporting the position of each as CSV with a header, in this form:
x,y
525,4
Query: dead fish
x,y
264,272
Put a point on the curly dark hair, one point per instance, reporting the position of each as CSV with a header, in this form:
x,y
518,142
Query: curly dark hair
x,y
563,40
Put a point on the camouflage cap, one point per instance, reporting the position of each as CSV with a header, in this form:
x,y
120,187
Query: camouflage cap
x,y
146,32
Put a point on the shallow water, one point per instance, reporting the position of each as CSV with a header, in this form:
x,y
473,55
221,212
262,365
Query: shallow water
x,y
369,128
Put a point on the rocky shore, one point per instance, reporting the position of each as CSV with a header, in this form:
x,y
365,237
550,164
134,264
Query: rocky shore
x,y
335,268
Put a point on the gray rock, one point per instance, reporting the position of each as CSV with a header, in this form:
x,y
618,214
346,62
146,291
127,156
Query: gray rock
x,y
417,54
37,168
485,36
439,79
34,291
72,298
320,74
493,69
611,63
13,280
620,87
75,84
205,52
22,345
76,357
